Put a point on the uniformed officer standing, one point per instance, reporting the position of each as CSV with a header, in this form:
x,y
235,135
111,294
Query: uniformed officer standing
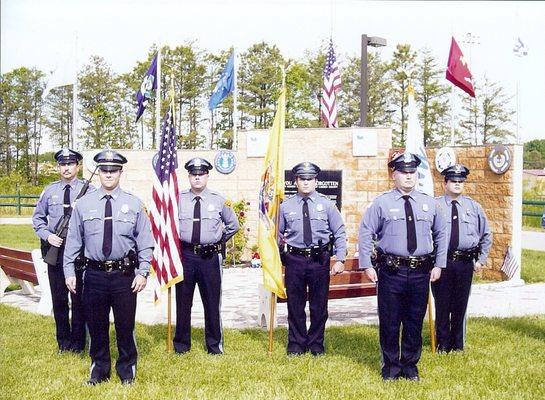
x,y
406,226
311,226
116,232
55,202
469,239
207,221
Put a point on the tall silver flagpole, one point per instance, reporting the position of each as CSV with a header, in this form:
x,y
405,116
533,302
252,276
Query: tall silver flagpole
x,y
235,104
74,139
158,100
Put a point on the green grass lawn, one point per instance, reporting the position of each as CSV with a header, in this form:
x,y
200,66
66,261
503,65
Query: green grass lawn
x,y
504,359
533,266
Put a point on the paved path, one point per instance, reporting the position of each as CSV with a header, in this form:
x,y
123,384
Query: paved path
x,y
240,303
533,240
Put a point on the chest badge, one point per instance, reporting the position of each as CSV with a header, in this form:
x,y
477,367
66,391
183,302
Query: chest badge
x,y
319,207
125,208
425,207
211,207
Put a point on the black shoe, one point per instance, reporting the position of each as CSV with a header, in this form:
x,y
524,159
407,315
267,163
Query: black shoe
x,y
317,353
414,378
442,350
389,378
295,353
95,381
127,382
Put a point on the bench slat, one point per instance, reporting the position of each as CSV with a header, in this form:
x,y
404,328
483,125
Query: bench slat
x,y
14,253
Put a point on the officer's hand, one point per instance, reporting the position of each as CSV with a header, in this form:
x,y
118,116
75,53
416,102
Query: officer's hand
x,y
435,274
478,267
338,268
54,240
138,284
371,274
71,284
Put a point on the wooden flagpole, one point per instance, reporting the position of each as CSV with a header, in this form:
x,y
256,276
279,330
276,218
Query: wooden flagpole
x,y
169,319
431,322
272,306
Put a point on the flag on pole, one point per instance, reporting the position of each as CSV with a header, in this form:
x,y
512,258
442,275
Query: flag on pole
x,y
63,74
332,83
520,49
270,194
458,69
166,261
148,85
414,143
510,264
225,85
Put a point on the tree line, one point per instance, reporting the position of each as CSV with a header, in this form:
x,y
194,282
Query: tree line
x,y
107,103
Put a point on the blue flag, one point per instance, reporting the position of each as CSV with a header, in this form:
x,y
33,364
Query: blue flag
x,y
148,85
225,85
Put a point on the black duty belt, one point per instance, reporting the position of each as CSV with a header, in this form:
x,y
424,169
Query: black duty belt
x,y
202,249
393,261
125,264
313,251
464,255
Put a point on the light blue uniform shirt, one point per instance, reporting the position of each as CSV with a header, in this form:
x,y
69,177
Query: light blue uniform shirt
x,y
473,225
217,217
384,221
50,207
131,229
325,219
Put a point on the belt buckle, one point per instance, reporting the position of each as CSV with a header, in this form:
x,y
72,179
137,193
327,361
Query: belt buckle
x,y
413,262
308,252
196,249
108,266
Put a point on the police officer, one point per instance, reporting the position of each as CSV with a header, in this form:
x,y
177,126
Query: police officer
x,y
469,240
207,221
406,226
54,203
116,232
312,229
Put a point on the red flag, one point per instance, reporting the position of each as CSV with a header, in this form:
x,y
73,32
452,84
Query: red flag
x,y
458,71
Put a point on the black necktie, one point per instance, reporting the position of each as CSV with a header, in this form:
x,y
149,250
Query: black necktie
x,y
107,238
307,230
454,228
196,234
66,201
411,226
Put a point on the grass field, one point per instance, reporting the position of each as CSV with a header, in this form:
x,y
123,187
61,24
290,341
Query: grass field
x,y
504,359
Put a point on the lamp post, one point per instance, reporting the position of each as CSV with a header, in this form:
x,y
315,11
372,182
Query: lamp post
x,y
372,41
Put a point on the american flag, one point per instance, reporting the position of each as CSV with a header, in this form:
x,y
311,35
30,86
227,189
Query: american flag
x,y
332,83
510,264
166,262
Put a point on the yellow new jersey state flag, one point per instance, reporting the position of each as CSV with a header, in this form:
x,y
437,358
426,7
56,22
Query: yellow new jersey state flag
x,y
270,195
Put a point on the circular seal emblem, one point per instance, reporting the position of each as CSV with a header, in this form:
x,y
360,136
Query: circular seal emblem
x,y
225,162
499,159
444,158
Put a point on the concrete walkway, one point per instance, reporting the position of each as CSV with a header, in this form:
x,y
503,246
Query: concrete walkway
x,y
240,303
533,240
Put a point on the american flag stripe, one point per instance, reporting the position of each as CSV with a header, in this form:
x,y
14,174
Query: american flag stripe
x,y
510,265
167,256
332,83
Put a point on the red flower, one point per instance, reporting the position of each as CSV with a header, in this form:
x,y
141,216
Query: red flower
x,y
241,214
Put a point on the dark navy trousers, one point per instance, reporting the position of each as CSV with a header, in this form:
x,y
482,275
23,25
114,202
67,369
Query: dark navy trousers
x,y
206,273
103,291
69,337
304,273
451,294
402,299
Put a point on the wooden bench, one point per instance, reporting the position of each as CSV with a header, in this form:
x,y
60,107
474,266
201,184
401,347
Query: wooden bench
x,y
351,283
17,267
26,269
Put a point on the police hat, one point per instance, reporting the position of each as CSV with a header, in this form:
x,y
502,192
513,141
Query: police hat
x,y
109,160
67,156
457,171
198,166
306,170
405,162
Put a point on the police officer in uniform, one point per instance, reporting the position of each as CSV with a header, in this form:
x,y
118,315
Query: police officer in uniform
x,y
207,221
54,203
116,232
312,229
469,240
406,226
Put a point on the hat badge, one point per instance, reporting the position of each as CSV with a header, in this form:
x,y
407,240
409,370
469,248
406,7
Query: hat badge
x,y
197,162
109,155
65,152
458,169
407,157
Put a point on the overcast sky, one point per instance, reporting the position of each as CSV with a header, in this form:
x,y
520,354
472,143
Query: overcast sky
x,y
40,33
